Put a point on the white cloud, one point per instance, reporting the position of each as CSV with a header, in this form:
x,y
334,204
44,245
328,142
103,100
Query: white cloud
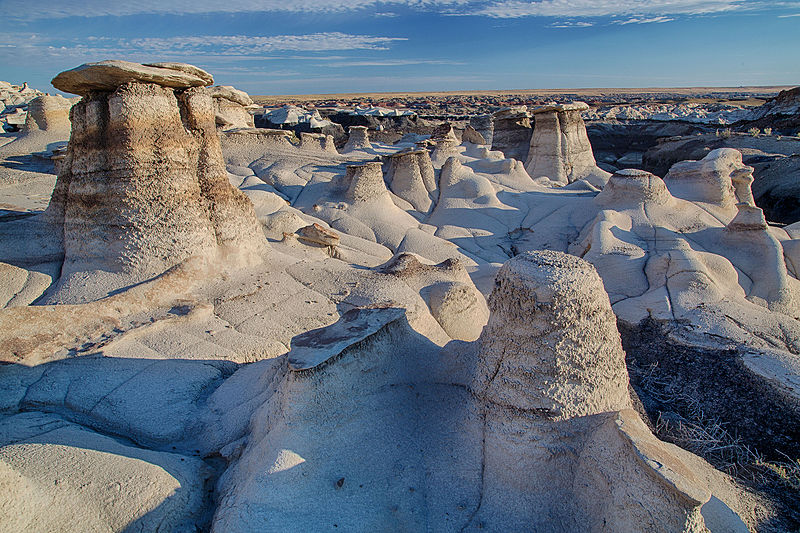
x,y
644,20
389,63
22,9
788,16
216,49
248,45
97,8
568,24
601,8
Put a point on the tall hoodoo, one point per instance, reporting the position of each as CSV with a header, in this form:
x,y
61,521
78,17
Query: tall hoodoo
x,y
411,177
553,335
143,185
552,380
560,148
358,139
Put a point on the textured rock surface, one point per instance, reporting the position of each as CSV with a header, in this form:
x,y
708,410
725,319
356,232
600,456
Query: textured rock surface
x,y
511,132
411,177
108,75
231,107
143,188
357,140
560,148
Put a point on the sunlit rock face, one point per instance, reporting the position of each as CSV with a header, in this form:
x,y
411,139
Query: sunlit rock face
x,y
143,187
560,148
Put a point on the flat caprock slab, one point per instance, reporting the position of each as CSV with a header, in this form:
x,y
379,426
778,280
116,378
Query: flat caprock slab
x,y
313,348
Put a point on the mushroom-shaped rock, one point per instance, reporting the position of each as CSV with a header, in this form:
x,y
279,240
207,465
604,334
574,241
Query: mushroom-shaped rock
x,y
629,187
484,126
411,177
560,148
551,345
511,132
231,107
231,94
742,179
143,187
358,139
709,180
317,141
443,149
110,74
755,251
48,113
364,182
563,451
184,67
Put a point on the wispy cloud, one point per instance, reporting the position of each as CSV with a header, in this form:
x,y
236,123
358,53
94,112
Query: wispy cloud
x,y
22,9
788,16
644,20
247,44
203,47
603,8
569,24
390,63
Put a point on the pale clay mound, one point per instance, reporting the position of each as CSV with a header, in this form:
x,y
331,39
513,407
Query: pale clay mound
x,y
382,391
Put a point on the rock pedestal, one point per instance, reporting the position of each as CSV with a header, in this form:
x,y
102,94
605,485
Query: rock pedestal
x,y
511,132
563,451
358,139
411,177
560,148
143,185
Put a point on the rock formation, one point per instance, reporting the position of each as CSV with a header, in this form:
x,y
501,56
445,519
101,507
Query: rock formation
x,y
231,107
358,140
144,184
560,148
708,180
484,125
318,141
411,177
552,381
511,132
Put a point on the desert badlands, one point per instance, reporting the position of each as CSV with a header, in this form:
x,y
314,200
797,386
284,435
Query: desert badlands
x,y
212,326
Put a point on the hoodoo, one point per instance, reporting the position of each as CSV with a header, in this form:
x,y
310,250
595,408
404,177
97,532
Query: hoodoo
x,y
143,185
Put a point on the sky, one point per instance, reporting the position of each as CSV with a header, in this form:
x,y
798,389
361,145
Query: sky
x,y
334,46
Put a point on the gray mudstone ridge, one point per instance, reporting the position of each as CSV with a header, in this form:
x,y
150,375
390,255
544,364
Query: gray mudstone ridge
x,y
411,177
527,429
358,139
511,132
560,148
564,451
143,187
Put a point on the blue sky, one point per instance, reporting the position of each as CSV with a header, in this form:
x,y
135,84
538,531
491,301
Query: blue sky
x,y
330,46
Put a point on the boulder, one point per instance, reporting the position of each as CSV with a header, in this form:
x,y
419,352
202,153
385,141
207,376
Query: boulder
x,y
108,75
